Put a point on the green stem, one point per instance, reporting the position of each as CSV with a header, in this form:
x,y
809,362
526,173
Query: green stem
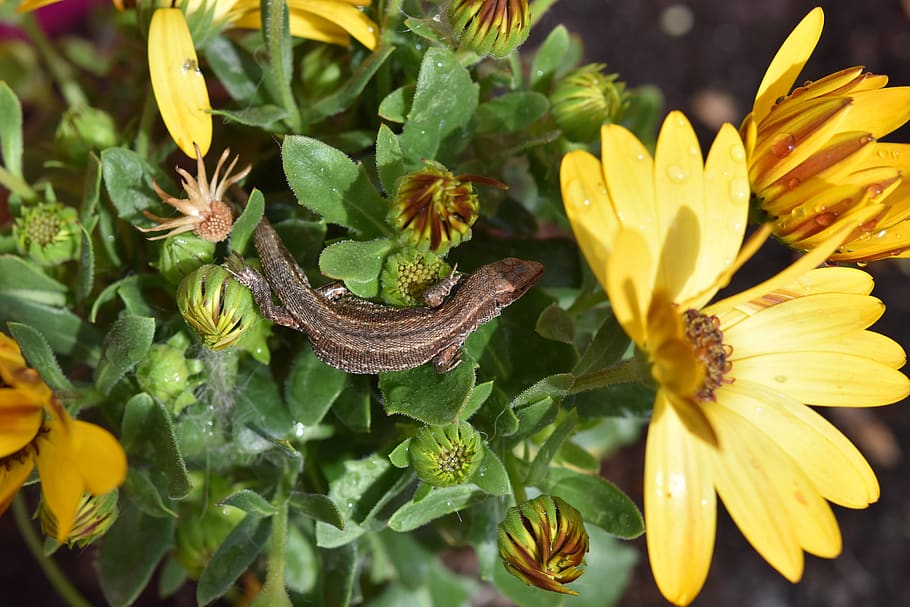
x,y
625,372
53,574
146,120
279,47
274,593
518,487
59,68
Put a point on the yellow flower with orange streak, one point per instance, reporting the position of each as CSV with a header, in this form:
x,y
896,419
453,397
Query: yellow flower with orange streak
x,y
814,156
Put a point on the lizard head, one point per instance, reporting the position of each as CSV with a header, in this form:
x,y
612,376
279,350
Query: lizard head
x,y
511,278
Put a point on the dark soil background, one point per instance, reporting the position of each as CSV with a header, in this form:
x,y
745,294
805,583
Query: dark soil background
x,y
708,57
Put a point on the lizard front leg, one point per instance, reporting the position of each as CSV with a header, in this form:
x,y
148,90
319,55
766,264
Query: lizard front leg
x,y
447,359
262,293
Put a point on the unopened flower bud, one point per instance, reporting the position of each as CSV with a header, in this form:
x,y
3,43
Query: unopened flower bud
x,y
407,275
48,233
490,27
433,209
183,253
84,129
219,308
585,99
94,516
543,542
446,455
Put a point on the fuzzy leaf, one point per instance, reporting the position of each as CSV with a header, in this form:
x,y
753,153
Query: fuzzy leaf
x,y
357,263
232,558
511,112
242,230
389,159
250,502
423,394
319,507
312,387
10,130
126,344
440,502
40,356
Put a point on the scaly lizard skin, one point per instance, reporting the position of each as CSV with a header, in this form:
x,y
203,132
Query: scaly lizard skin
x,y
359,336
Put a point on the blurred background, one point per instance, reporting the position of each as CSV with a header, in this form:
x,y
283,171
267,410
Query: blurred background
x,y
708,57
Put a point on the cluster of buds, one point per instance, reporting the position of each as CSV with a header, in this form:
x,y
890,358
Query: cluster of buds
x,y
543,542
49,233
446,455
407,275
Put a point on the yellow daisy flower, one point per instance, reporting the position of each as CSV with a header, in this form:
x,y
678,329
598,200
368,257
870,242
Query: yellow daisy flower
x,y
73,457
733,378
814,158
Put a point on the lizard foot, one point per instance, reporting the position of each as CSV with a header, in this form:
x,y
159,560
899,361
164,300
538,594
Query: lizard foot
x,y
242,273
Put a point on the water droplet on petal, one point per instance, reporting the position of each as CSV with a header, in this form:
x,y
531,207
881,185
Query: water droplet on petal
x,y
874,191
639,156
783,145
737,152
781,379
793,183
694,151
676,173
739,190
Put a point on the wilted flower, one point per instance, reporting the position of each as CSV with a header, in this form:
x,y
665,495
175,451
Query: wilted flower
x,y
543,543
204,211
814,158
490,27
219,308
407,275
49,233
94,516
446,455
73,457
733,378
586,98
434,210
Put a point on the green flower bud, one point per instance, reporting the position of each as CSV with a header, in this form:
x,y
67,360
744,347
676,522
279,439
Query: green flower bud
x,y
165,373
203,523
585,99
433,209
84,129
94,516
407,275
543,543
219,308
183,253
446,455
48,233
490,27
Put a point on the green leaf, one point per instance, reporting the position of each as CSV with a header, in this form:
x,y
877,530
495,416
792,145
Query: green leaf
x,y
423,394
128,179
578,457
619,400
389,159
86,280
10,130
444,104
173,576
235,69
599,501
534,417
339,570
126,344
479,394
548,450
555,386
312,387
243,228
549,58
145,494
319,507
400,457
352,408
491,476
233,557
250,502
40,356
357,263
394,107
124,570
259,405
440,502
148,422
262,116
511,112
21,280
351,90
556,324
327,182
607,346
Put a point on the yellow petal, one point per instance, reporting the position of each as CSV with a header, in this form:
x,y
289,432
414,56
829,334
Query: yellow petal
x,y
679,196
588,209
19,421
100,458
12,475
833,279
61,482
871,345
629,177
788,62
179,86
29,5
837,469
879,111
630,283
351,19
724,214
774,504
802,323
826,378
680,506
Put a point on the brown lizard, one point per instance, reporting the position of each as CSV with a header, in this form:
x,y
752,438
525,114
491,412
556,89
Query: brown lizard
x,y
360,336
